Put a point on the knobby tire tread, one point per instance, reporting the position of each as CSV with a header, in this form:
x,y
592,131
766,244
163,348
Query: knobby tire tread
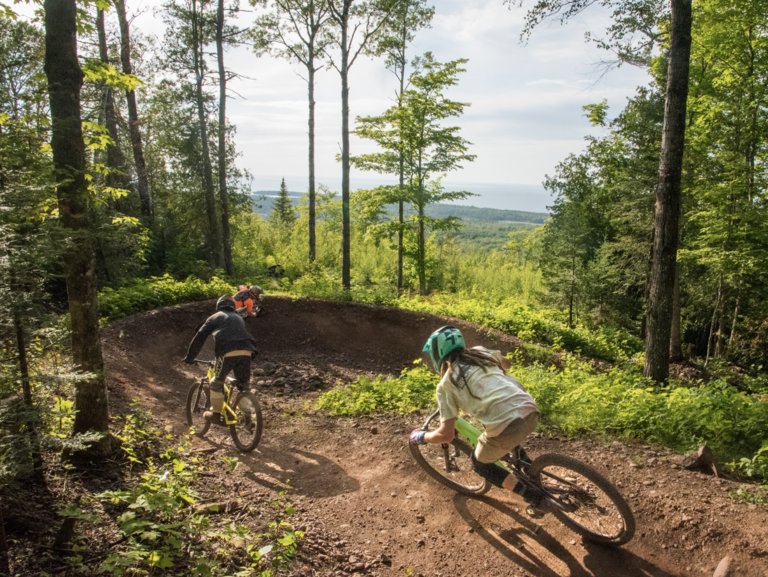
x,y
617,500
255,436
465,449
193,402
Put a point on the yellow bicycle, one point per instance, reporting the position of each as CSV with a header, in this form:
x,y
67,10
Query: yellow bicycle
x,y
240,412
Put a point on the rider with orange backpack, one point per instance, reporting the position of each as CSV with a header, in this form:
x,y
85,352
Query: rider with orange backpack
x,y
248,300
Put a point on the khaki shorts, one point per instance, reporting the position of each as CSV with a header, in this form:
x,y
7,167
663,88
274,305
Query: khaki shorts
x,y
491,449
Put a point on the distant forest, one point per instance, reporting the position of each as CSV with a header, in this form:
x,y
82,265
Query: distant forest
x,y
263,203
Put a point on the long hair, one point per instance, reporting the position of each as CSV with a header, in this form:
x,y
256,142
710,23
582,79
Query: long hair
x,y
467,358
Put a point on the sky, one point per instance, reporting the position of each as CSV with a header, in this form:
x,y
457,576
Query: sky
x,y
525,101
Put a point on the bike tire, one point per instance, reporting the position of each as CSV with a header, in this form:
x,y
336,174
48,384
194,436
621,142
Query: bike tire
x,y
198,401
583,499
450,463
246,433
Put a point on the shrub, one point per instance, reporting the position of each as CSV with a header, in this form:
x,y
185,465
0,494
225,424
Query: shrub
x,y
414,389
153,292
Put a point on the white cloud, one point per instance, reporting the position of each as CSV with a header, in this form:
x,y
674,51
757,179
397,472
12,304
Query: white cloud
x,y
526,100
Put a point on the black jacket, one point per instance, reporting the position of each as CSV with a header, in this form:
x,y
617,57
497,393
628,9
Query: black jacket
x,y
229,334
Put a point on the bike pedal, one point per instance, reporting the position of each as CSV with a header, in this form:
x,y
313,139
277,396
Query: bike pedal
x,y
213,418
534,512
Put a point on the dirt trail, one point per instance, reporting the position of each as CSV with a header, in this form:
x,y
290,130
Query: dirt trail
x,y
367,507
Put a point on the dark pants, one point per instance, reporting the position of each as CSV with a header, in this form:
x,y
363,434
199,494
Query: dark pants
x,y
240,366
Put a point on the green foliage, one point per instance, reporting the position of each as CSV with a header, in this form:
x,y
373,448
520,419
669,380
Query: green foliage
x,y
544,326
283,213
15,442
146,294
156,519
756,466
162,530
622,402
414,389
138,438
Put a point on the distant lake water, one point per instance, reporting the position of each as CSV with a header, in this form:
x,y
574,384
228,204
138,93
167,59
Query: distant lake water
x,y
525,197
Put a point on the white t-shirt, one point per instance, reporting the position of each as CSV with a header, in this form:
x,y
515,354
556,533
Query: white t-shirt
x,y
487,393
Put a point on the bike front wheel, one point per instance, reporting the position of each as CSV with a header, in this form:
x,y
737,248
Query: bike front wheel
x,y
584,500
246,431
198,401
450,464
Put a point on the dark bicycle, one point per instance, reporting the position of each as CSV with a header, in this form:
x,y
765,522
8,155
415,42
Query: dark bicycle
x,y
579,496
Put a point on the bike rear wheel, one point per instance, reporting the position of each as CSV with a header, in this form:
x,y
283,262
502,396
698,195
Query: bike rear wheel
x,y
246,432
583,499
450,464
198,401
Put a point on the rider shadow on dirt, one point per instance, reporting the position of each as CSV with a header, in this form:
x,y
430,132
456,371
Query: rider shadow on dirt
x,y
511,543
306,473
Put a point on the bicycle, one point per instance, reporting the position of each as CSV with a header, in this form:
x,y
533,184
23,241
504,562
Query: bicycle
x,y
579,496
240,412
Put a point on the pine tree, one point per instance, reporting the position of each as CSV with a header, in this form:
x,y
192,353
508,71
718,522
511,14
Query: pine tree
x,y
283,211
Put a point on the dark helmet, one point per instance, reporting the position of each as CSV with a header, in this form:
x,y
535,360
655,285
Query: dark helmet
x,y
256,290
442,343
225,303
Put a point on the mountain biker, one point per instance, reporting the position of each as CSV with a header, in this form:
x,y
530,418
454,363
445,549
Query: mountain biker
x,y
233,346
474,380
248,300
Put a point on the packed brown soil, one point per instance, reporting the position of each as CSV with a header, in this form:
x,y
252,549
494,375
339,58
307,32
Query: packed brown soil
x,y
366,507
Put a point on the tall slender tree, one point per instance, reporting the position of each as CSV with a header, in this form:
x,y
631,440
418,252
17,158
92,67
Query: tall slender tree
x,y
295,30
357,23
413,134
117,176
222,141
668,192
134,122
408,17
65,79
199,26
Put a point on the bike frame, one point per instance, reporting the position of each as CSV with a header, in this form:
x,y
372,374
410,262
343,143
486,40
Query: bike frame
x,y
230,418
471,433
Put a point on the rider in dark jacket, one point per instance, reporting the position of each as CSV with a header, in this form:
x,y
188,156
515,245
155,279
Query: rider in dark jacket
x,y
233,346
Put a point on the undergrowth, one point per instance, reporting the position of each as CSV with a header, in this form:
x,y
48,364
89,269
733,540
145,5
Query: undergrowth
x,y
163,527
620,402
149,293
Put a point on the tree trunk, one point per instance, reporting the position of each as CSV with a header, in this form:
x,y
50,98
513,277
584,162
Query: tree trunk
x,y
734,322
26,389
223,192
115,159
142,180
64,82
668,192
401,183
675,344
5,566
215,253
572,293
311,128
346,280
422,250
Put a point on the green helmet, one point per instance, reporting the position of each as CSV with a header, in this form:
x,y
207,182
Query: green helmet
x,y
443,342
